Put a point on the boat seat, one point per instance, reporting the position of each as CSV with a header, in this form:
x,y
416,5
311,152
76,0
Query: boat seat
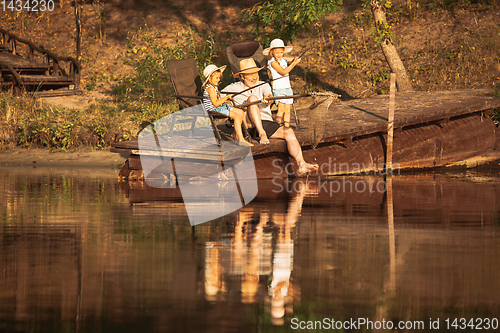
x,y
244,50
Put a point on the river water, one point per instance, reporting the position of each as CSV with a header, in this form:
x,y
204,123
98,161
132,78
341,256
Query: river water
x,y
78,254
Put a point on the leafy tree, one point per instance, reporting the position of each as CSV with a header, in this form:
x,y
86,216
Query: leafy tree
x,y
285,19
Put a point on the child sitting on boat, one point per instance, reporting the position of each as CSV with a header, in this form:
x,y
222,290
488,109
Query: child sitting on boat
x,y
279,68
214,102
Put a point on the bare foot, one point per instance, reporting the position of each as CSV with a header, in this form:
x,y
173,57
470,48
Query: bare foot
x,y
245,143
263,139
279,119
307,167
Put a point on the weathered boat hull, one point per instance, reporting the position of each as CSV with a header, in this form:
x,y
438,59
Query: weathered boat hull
x,y
427,197
430,130
415,147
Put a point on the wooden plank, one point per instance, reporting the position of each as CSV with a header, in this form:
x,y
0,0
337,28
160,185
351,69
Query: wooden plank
x,y
58,92
29,79
178,154
390,123
18,62
361,117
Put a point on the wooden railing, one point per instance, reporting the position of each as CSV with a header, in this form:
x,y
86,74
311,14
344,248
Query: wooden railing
x,y
13,72
54,62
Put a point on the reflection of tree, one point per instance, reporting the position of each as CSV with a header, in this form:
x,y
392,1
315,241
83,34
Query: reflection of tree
x,y
249,255
389,292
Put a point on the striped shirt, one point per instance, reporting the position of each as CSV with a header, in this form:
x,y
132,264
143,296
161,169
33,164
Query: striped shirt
x,y
207,103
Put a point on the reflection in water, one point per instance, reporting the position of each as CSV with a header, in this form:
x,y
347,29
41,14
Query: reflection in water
x,y
251,258
76,256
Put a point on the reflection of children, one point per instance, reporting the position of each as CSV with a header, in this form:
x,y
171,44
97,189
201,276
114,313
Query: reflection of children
x,y
212,271
214,102
281,284
279,68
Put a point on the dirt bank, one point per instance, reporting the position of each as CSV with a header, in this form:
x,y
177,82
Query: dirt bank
x,y
43,158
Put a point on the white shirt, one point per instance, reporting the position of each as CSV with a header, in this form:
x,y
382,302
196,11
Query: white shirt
x,y
281,83
260,92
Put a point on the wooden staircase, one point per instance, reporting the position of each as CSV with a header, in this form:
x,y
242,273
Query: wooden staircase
x,y
26,66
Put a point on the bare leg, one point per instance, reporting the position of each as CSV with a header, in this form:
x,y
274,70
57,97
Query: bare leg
x,y
287,115
254,114
281,111
237,115
294,149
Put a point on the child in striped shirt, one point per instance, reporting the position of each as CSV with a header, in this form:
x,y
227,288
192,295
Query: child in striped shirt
x,y
214,102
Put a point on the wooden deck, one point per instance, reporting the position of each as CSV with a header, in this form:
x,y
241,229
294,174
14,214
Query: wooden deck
x,y
431,129
347,120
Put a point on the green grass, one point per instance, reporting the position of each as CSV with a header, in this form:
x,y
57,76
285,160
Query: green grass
x,y
26,122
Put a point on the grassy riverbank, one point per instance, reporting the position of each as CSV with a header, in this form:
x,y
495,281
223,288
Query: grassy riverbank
x,y
444,45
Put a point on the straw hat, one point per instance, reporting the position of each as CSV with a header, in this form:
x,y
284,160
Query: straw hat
x,y
247,66
277,43
210,69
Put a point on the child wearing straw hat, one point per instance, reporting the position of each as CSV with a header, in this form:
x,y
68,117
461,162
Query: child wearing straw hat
x,y
279,68
214,102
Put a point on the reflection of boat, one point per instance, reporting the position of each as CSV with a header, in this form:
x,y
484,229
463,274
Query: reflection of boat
x,y
432,129
421,198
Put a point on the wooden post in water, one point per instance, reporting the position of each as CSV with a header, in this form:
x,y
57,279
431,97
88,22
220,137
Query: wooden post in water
x,y
390,124
391,287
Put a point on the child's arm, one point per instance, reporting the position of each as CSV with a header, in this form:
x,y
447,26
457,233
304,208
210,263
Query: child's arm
x,y
284,71
213,97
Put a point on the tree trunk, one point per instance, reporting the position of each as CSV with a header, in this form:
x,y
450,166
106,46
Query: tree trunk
x,y
78,30
389,50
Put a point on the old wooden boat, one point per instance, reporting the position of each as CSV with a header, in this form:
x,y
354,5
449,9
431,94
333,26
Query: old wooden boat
x,y
431,129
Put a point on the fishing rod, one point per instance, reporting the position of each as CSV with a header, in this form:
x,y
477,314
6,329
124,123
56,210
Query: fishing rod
x,y
189,96
267,81
300,56
234,93
249,103
312,106
203,97
250,88
271,99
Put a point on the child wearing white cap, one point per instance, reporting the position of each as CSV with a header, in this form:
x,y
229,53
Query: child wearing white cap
x,y
214,102
279,68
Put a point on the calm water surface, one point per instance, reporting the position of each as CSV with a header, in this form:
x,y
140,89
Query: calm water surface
x,y
77,256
